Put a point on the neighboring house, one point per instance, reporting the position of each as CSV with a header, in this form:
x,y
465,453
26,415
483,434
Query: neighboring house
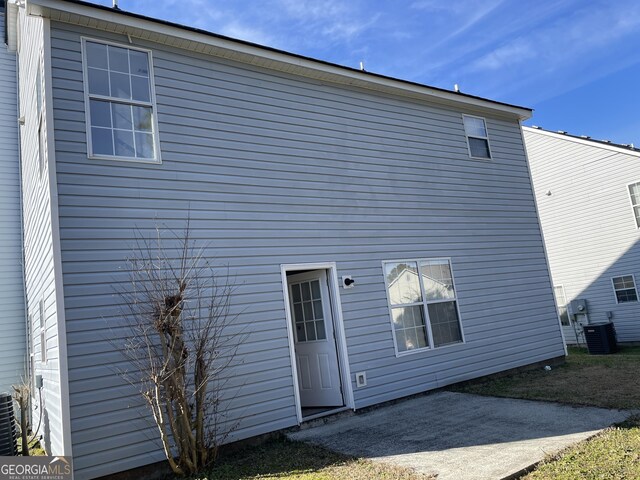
x,y
297,172
588,195
13,340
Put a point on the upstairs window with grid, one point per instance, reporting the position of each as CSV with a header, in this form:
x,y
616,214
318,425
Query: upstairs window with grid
x,y
477,137
119,88
625,289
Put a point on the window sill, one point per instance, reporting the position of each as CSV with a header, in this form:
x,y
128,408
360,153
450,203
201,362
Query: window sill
x,y
428,349
156,161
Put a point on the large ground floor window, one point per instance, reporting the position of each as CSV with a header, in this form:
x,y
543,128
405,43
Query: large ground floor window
x,y
423,303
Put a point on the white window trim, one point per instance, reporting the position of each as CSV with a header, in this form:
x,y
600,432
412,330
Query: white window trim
x,y
565,305
43,333
153,104
635,287
466,136
423,303
32,357
633,212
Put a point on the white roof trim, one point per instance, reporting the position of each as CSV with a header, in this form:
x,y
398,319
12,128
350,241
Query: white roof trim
x,y
155,31
582,141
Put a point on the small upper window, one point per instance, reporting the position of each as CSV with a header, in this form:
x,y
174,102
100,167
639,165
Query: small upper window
x,y
477,137
120,109
634,192
625,289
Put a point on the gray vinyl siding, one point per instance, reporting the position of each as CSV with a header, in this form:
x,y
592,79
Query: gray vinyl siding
x,y
275,169
588,223
12,316
38,247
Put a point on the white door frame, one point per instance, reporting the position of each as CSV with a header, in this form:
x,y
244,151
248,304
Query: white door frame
x,y
338,327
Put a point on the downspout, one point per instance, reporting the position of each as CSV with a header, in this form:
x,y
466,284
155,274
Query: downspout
x,y
27,331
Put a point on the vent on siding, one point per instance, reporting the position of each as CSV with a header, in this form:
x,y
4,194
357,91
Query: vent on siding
x,y
8,431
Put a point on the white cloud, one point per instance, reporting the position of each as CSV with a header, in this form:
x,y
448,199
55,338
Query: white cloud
x,y
235,29
314,9
505,56
333,20
582,46
585,33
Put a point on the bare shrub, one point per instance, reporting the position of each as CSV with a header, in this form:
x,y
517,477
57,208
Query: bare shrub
x,y
177,308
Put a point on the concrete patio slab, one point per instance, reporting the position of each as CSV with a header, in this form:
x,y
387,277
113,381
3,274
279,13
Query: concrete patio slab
x,y
459,436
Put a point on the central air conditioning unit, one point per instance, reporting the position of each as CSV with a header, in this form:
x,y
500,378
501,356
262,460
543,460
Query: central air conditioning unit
x,y
8,430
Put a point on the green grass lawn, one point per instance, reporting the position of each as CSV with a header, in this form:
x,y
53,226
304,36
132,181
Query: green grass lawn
x,y
609,381
612,455
287,460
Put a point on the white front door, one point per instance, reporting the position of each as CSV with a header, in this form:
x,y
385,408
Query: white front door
x,y
316,356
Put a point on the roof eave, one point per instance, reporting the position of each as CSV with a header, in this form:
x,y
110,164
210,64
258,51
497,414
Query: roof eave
x,y
583,141
137,26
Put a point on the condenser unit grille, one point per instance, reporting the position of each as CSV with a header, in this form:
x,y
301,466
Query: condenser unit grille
x,y
8,431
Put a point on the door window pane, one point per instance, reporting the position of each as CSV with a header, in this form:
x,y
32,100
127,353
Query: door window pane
x,y
306,291
311,331
317,309
295,292
315,289
302,336
308,311
322,334
306,298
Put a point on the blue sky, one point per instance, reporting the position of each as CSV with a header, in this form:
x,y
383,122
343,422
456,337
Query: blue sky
x,y
576,62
